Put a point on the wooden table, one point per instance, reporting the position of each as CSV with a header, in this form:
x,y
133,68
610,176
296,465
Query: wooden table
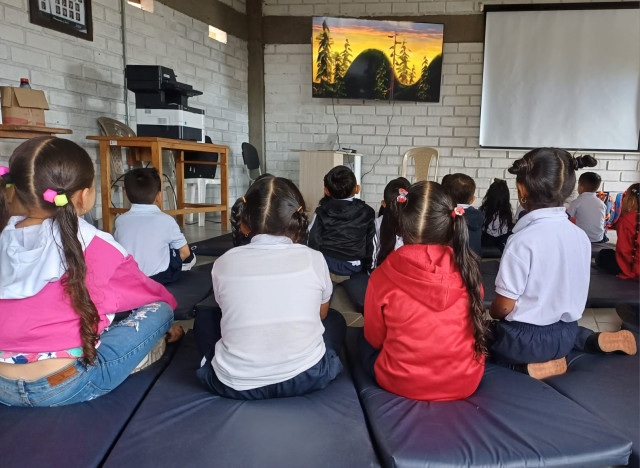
x,y
150,149
29,131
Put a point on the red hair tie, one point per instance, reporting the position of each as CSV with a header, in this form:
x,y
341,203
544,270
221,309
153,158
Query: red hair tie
x,y
402,195
457,211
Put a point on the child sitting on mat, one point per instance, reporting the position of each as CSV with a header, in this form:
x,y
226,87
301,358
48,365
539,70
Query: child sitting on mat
x,y
588,211
387,239
543,280
625,259
424,317
462,188
498,216
273,335
343,226
62,281
152,237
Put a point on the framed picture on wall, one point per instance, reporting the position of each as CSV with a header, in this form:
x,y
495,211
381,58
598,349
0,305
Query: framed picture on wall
x,y
68,16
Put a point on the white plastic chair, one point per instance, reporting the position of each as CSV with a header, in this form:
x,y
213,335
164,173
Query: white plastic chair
x,y
195,186
422,158
196,192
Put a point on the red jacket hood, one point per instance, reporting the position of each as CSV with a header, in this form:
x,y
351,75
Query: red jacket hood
x,y
428,268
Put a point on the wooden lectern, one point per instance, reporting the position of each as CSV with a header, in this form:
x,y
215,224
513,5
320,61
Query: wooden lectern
x,y
313,167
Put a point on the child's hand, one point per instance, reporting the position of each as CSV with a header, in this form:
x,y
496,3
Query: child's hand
x,y
175,333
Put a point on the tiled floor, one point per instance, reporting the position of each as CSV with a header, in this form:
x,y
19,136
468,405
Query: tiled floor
x,y
595,319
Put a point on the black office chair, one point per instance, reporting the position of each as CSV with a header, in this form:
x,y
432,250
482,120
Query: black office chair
x,y
251,161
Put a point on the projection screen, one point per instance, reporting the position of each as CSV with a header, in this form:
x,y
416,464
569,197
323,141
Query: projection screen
x,y
564,78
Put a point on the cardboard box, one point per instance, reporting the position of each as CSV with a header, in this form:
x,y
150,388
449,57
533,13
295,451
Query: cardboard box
x,y
22,106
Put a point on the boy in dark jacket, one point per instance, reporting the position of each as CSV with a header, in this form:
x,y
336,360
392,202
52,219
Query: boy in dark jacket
x,y
462,189
343,227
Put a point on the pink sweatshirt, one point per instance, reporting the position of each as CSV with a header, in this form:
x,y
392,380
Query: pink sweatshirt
x,y
35,313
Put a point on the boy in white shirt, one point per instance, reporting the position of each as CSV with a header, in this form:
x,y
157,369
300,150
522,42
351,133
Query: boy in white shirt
x,y
587,210
152,237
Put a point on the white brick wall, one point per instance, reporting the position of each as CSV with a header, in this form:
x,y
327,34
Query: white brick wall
x,y
357,8
451,126
239,5
84,80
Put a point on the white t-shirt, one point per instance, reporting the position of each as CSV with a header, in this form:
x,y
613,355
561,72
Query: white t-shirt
x,y
495,228
376,241
270,293
589,212
147,234
545,268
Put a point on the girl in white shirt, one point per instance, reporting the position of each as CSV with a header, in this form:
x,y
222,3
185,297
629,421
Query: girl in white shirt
x,y
543,281
274,335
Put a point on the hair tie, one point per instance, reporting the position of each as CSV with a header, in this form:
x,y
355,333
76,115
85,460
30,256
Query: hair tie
x,y
299,209
244,200
402,195
457,211
56,197
4,173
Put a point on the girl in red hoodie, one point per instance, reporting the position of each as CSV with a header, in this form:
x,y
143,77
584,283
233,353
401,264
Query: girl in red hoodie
x,y
624,261
423,308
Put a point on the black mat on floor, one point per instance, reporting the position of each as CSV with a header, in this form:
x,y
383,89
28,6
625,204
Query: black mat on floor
x,y
182,424
606,386
192,287
75,435
213,247
605,290
511,420
630,315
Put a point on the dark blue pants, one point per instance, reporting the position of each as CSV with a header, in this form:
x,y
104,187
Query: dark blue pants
x,y
606,260
368,354
341,267
524,343
356,289
172,273
207,331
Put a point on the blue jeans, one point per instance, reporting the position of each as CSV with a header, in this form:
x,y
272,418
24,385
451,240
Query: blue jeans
x,y
122,347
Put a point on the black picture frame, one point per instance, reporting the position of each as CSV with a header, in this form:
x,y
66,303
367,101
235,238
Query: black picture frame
x,y
71,17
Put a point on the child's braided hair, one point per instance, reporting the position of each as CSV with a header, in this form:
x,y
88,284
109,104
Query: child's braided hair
x,y
272,205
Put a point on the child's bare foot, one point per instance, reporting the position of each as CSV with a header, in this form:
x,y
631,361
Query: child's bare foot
x,y
175,333
622,340
542,370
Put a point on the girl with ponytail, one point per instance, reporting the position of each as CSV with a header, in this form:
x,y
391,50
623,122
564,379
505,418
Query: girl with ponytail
x,y
387,239
61,281
273,334
423,321
543,280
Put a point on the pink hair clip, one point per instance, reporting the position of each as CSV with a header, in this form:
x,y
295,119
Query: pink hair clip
x,y
402,195
4,172
59,199
457,211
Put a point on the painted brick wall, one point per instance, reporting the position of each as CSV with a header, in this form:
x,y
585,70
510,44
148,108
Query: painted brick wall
x,y
84,80
379,8
382,132
239,5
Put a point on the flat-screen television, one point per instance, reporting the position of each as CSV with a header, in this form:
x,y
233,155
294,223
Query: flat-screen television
x,y
371,59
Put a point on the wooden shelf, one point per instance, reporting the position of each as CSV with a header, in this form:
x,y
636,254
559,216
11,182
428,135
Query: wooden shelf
x,y
29,131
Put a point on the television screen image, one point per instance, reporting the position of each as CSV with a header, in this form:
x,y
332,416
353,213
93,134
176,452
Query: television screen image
x,y
371,59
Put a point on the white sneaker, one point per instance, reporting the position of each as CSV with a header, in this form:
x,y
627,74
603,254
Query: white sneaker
x,y
187,266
